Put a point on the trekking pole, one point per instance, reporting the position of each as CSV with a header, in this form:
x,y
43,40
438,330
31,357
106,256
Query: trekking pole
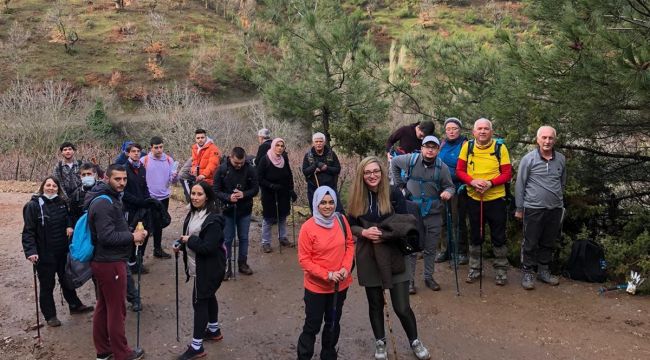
x,y
277,217
390,326
480,271
293,224
176,245
451,241
334,306
234,245
38,320
138,258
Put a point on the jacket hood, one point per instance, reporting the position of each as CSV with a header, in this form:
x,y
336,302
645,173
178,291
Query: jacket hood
x,y
101,188
208,141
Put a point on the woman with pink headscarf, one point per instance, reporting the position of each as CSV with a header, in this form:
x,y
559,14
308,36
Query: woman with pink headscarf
x,y
276,183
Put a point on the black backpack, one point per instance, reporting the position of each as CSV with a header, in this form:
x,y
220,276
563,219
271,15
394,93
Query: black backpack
x,y
587,262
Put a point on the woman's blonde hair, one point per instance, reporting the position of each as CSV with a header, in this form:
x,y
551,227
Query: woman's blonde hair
x,y
358,203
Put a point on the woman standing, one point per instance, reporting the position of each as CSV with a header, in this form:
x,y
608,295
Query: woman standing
x,y
204,255
276,183
46,234
325,253
371,201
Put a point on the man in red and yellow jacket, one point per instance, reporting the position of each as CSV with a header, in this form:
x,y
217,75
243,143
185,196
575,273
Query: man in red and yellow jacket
x,y
205,157
484,166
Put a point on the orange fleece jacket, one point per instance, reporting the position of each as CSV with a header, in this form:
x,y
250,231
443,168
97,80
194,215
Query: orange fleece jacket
x,y
321,250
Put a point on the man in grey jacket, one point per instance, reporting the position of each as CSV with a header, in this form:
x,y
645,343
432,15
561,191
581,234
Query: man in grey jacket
x,y
538,194
426,180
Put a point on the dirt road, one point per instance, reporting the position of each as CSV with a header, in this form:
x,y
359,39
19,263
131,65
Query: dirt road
x,y
262,314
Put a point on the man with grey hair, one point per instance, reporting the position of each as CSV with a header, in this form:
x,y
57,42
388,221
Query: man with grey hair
x,y
321,167
540,204
264,139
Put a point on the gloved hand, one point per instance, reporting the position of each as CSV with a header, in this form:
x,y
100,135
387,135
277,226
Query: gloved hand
x,y
275,187
294,196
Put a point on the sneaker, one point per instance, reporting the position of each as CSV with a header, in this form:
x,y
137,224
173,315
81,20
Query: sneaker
x,y
267,248
136,354
190,353
419,350
472,276
545,276
228,274
441,257
54,322
245,269
412,289
528,280
463,259
212,336
82,309
432,284
161,254
135,306
380,350
285,242
501,277
104,356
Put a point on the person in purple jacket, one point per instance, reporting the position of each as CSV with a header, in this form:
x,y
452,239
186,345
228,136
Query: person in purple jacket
x,y
161,171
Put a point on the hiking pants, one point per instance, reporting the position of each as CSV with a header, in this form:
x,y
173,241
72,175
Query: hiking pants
x,y
267,225
46,273
110,310
131,291
432,227
242,224
399,296
494,214
541,229
158,229
458,205
205,311
317,307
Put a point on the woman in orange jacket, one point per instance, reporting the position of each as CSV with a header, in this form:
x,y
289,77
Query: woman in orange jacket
x,y
325,253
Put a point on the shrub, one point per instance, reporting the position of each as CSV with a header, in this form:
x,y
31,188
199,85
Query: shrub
x,y
98,121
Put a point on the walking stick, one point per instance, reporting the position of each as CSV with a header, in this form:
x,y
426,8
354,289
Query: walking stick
x,y
176,245
233,252
293,224
38,320
454,243
277,217
334,306
390,326
138,257
480,271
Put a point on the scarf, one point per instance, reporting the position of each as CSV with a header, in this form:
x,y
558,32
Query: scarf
x,y
319,219
276,160
194,228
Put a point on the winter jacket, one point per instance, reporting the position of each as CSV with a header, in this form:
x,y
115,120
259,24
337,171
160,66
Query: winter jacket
x,y
136,190
329,177
159,175
77,202
207,159
540,182
44,230
228,179
210,255
449,152
68,176
407,138
269,176
262,150
110,232
321,250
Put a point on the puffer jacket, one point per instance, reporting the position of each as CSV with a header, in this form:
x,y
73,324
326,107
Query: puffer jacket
x,y
109,230
207,159
44,230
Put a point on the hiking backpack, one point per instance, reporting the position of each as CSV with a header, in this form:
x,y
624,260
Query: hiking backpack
x,y
497,153
587,262
424,202
81,247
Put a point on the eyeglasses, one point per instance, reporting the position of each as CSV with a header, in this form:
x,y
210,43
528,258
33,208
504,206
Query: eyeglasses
x,y
372,172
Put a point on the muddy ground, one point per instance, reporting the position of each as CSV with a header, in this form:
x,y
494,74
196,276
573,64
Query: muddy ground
x,y
262,315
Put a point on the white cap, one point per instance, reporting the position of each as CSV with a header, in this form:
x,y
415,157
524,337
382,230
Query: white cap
x,y
430,138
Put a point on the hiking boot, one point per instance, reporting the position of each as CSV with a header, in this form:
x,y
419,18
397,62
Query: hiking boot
x,y
528,280
81,309
245,269
545,276
212,336
432,284
267,248
380,350
190,353
500,277
441,257
228,274
136,354
412,289
473,275
419,350
463,259
135,306
161,254
104,356
54,322
285,242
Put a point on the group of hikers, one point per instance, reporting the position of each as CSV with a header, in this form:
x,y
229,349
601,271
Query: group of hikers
x,y
395,209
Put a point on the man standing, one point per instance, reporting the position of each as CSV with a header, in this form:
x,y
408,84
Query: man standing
x,y
321,167
67,169
409,137
264,139
235,184
484,165
88,174
135,198
538,194
427,183
160,171
205,157
113,244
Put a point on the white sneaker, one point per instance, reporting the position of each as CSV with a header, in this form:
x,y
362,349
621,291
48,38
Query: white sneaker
x,y
419,350
380,350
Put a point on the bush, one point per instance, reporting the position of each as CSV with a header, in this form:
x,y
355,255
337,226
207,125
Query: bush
x,y
98,121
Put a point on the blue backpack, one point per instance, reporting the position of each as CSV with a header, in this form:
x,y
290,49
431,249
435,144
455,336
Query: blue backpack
x,y
81,247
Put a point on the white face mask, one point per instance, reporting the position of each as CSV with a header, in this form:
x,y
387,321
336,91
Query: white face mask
x,y
88,181
50,197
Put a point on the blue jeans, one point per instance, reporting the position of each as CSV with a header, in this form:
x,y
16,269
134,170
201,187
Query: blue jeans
x,y
243,224
267,224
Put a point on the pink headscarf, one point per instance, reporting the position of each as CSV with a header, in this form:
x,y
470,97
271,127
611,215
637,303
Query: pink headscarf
x,y
276,160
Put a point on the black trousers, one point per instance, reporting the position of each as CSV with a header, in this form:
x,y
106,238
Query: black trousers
x,y
317,307
158,229
541,229
205,311
399,296
46,272
494,214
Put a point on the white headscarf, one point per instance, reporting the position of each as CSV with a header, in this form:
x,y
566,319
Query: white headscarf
x,y
319,194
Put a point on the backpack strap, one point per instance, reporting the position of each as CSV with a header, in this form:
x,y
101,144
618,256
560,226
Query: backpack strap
x,y
342,225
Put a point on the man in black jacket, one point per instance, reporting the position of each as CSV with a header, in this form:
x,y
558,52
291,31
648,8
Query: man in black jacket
x,y
113,243
321,167
235,184
88,172
136,193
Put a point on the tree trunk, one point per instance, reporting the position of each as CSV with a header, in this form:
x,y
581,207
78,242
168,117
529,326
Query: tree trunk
x,y
326,122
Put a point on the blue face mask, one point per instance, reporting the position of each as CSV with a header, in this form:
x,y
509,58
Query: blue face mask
x,y
88,181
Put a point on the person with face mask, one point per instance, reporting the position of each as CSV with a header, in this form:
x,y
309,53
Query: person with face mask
x,y
46,233
88,175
